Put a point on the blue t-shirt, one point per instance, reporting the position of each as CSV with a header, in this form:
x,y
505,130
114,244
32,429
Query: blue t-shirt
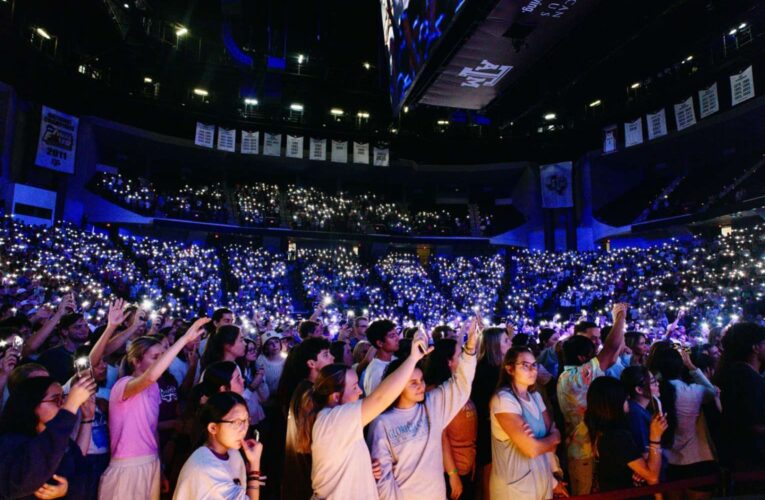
x,y
639,423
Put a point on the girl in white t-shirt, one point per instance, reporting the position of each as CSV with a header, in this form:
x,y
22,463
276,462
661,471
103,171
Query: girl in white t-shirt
x,y
216,469
329,425
523,436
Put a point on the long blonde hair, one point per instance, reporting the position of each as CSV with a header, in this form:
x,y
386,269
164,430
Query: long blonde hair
x,y
135,353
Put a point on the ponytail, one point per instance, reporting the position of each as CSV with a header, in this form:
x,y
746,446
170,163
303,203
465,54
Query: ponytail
x,y
306,403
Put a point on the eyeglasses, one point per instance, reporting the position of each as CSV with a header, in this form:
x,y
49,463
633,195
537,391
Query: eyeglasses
x,y
653,381
528,366
58,399
240,422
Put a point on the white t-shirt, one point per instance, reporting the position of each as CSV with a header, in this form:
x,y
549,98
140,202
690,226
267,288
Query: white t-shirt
x,y
206,477
373,375
342,467
273,371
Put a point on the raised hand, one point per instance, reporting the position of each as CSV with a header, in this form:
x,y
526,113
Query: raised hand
x,y
195,330
82,389
420,347
116,313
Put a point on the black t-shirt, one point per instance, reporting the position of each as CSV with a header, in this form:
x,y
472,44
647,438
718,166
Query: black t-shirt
x,y
59,363
615,450
743,400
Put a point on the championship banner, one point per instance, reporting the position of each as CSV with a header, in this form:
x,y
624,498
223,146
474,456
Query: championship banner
x,y
294,146
318,149
633,133
741,86
57,145
227,139
340,151
272,144
205,135
609,139
381,157
361,152
250,142
708,102
557,188
684,115
657,124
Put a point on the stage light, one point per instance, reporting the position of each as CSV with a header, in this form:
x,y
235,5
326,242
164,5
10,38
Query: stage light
x,y
595,103
181,31
201,92
336,112
250,101
296,106
147,79
635,85
550,116
43,33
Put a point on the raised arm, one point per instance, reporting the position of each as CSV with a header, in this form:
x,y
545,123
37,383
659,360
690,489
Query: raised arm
x,y
392,385
123,336
114,320
38,338
146,379
615,342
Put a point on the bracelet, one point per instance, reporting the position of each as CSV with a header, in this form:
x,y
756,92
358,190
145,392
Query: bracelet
x,y
451,472
87,421
469,352
253,487
654,442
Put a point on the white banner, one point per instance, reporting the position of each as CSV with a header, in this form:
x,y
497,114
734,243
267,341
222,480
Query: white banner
x,y
657,124
294,146
557,189
57,145
205,135
633,133
708,102
250,142
272,144
33,205
381,157
340,151
318,149
361,152
741,86
685,116
227,139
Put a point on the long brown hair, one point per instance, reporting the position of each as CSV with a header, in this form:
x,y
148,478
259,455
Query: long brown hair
x,y
489,348
505,382
307,401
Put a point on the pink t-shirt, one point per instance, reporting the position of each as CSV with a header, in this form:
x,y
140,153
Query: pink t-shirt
x,y
133,422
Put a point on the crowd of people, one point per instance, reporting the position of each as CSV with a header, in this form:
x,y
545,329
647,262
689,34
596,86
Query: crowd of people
x,y
263,204
123,376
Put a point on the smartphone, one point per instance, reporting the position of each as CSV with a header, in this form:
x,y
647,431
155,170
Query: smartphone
x,y
656,406
83,367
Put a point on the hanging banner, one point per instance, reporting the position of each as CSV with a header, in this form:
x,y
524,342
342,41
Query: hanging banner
x,y
609,139
633,133
272,144
557,188
318,149
741,86
361,152
294,146
250,142
205,135
657,124
57,145
381,157
708,103
227,139
684,114
340,151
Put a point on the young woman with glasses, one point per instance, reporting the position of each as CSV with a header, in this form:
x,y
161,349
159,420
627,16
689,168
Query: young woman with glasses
x,y
216,469
523,435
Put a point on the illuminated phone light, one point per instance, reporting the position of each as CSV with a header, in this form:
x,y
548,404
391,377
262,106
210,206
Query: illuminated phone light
x,y
43,33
